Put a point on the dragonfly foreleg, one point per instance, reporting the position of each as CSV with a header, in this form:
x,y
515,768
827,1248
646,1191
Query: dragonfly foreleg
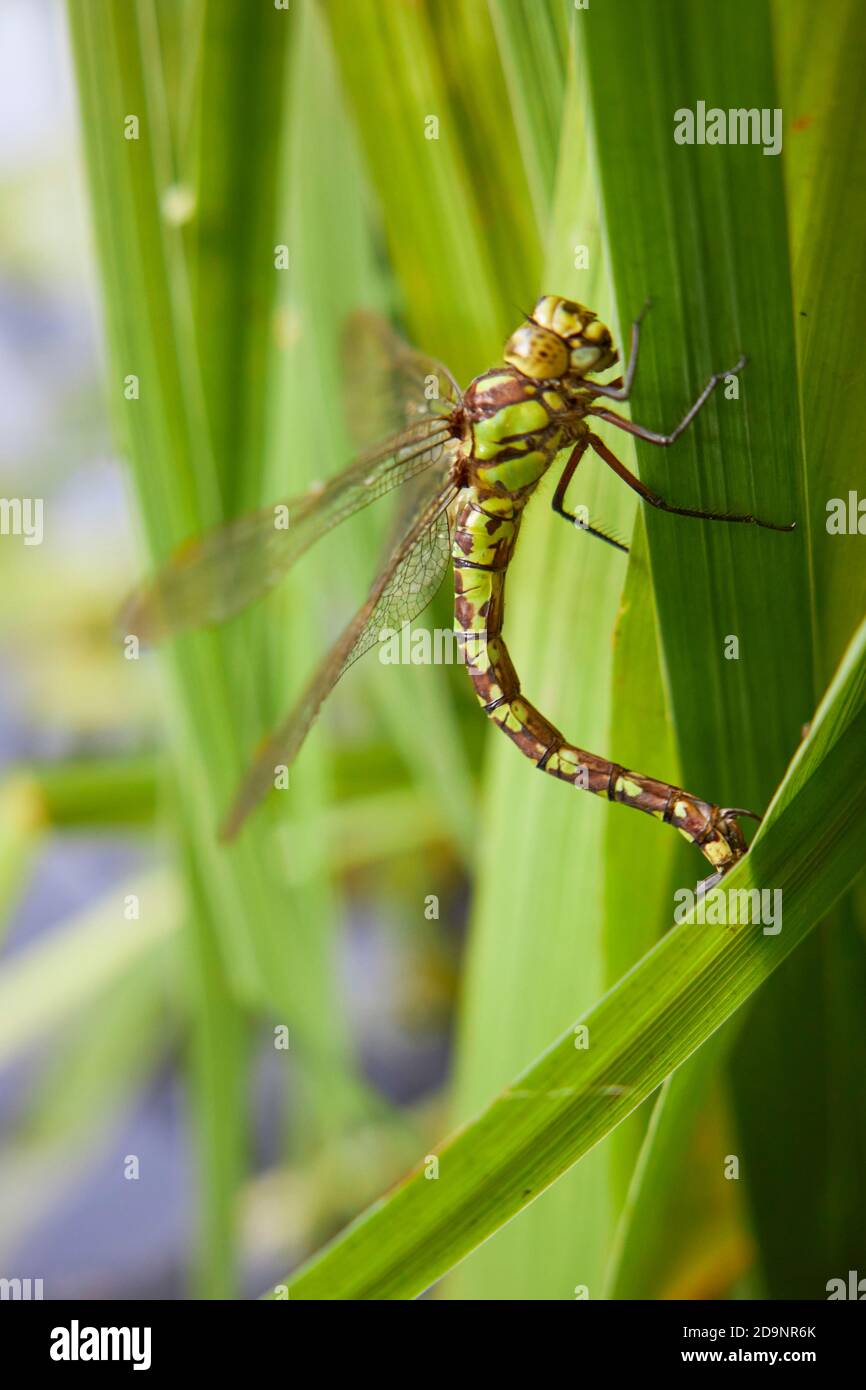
x,y
620,390
655,500
663,440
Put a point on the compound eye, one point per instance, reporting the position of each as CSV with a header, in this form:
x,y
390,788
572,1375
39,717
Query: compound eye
x,y
536,352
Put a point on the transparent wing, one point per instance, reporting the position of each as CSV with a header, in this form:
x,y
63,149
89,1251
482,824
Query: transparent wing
x,y
403,588
214,577
388,384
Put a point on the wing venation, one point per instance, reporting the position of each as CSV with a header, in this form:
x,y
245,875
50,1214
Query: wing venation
x,y
403,588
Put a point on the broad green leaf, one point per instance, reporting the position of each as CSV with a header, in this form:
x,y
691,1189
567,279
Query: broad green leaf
x,y
533,44
825,183
703,229
232,182
639,863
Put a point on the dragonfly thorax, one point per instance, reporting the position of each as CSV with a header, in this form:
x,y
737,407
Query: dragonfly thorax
x,y
517,426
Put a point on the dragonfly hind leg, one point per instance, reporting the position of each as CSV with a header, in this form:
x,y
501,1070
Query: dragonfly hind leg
x,y
653,498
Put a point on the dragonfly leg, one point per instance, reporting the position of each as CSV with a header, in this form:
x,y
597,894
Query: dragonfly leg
x,y
558,503
620,390
664,440
655,500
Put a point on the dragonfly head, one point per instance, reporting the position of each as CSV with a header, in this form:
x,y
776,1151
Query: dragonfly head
x,y
560,339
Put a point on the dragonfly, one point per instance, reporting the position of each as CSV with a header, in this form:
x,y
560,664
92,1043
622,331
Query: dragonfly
x,y
467,464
